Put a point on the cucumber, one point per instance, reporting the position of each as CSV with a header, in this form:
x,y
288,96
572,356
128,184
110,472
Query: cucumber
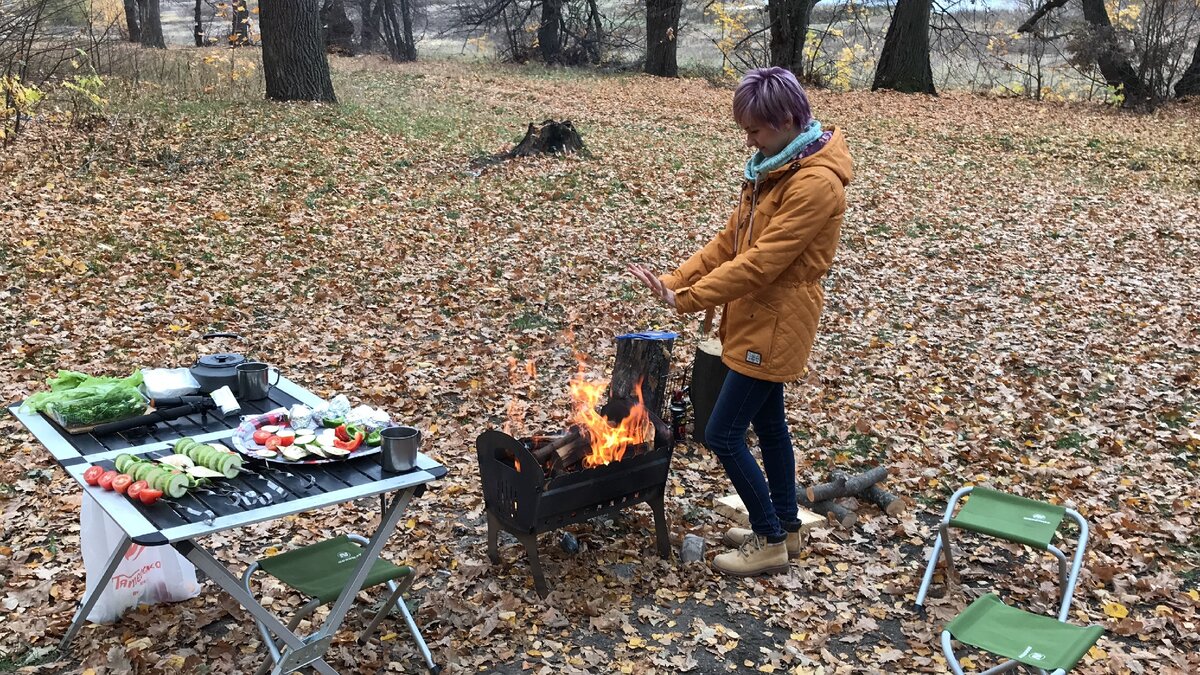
x,y
177,485
139,470
122,462
182,445
230,466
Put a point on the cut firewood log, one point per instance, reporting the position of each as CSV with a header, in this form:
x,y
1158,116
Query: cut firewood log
x,y
886,501
842,484
551,449
573,452
644,363
835,513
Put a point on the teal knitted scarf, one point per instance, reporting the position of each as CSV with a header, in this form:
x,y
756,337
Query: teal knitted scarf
x,y
758,165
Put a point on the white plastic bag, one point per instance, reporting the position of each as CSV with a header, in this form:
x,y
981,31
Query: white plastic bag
x,y
147,575
168,382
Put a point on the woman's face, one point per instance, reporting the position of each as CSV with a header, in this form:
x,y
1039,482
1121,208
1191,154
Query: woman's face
x,y
771,141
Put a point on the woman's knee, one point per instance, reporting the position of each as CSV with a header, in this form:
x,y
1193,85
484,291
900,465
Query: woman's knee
x,y
720,439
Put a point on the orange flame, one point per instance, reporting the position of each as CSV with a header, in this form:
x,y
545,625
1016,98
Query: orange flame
x,y
609,443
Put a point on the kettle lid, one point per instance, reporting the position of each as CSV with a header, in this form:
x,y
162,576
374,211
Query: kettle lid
x,y
221,360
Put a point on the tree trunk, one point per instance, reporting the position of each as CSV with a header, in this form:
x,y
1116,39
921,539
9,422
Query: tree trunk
x,y
1189,84
240,33
789,29
339,30
198,23
662,27
370,21
406,19
904,62
548,31
397,30
1115,68
151,24
133,20
294,61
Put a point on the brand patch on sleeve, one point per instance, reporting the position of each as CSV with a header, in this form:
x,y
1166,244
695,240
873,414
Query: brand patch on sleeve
x,y
754,357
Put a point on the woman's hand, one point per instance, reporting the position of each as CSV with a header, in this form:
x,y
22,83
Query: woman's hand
x,y
651,280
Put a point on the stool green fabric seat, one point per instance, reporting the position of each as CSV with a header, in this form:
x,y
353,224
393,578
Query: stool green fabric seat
x,y
1032,639
1012,518
321,571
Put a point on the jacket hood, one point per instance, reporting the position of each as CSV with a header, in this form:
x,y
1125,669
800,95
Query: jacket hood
x,y
835,156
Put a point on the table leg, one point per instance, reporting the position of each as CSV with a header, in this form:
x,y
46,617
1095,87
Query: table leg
x,y
92,595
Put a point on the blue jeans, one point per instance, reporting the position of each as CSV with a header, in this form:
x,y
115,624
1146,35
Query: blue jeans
x,y
771,501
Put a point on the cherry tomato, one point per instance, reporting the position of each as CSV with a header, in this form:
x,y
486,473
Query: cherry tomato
x,y
261,437
149,495
136,488
92,475
106,479
122,482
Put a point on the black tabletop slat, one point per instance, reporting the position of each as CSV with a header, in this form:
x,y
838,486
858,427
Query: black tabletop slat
x,y
346,471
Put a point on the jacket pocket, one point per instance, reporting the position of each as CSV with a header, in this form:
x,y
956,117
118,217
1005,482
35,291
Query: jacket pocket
x,y
751,335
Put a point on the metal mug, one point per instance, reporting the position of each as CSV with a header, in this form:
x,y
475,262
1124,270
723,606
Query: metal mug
x,y
398,448
254,380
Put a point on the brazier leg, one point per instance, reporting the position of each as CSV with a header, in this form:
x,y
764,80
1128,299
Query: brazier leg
x,y
493,538
660,525
535,564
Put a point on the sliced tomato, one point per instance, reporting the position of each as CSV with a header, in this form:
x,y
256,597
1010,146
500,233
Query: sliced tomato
x,y
122,482
92,475
106,479
135,488
149,495
261,437
273,443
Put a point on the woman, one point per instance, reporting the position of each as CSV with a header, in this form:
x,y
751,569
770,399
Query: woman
x,y
765,269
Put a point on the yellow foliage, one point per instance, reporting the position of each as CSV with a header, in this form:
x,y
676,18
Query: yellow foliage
x,y
107,12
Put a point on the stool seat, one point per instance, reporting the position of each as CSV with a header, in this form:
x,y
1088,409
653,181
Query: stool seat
x,y
1006,516
1032,639
323,569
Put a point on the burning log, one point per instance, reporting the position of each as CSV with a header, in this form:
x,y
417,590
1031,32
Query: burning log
x,y
548,451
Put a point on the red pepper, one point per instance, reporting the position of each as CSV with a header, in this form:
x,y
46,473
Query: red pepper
x,y
350,445
341,434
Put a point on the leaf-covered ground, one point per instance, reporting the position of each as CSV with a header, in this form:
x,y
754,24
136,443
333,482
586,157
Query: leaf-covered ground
x,y
1014,303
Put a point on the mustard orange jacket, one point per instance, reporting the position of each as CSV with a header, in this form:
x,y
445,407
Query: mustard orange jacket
x,y
766,266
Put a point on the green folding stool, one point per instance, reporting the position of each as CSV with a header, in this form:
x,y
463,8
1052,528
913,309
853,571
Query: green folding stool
x,y
321,571
1045,643
989,624
1013,518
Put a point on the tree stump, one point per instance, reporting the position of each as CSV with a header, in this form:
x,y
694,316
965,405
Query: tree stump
x,y
548,137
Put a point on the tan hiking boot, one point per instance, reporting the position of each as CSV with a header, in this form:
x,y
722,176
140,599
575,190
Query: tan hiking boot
x,y
736,536
753,558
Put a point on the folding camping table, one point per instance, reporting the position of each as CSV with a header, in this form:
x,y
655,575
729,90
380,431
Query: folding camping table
x,y
264,492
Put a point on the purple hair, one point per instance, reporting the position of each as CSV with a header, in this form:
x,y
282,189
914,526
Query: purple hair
x,y
771,96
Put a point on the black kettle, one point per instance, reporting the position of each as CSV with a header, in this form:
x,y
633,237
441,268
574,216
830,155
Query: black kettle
x,y
214,371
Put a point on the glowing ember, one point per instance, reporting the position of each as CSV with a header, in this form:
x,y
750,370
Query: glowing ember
x,y
608,442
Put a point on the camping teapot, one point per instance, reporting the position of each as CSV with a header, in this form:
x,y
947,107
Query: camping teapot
x,y
214,371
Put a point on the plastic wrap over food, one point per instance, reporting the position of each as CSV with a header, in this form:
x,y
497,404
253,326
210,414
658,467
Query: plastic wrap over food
x,y
339,406
366,416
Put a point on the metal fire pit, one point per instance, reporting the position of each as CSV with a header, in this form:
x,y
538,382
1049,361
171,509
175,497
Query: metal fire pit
x,y
522,503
